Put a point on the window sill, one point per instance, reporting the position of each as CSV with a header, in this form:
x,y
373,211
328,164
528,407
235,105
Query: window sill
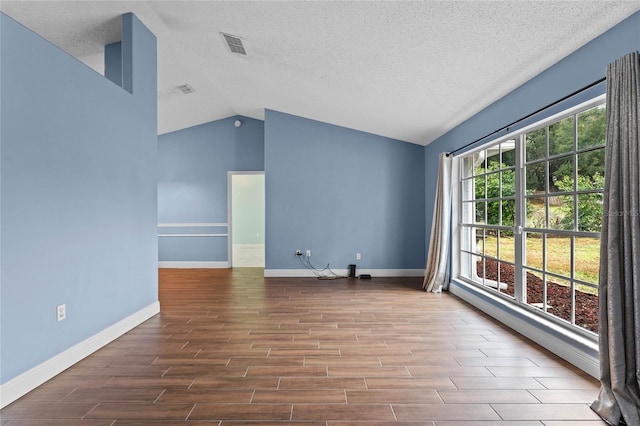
x,y
574,347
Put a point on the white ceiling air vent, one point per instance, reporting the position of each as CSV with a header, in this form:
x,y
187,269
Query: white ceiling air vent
x,y
186,89
234,44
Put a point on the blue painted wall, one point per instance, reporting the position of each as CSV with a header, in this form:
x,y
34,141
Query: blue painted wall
x,y
192,183
338,191
78,187
581,68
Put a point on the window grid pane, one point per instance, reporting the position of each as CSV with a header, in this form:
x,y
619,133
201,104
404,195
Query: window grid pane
x,y
562,177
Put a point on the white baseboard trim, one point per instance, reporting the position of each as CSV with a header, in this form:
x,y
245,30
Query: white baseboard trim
x,y
558,340
31,379
295,273
193,265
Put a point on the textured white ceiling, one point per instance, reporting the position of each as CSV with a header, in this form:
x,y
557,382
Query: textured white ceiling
x,y
406,70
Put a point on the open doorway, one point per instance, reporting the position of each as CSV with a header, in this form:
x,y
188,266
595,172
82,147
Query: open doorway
x,y
246,217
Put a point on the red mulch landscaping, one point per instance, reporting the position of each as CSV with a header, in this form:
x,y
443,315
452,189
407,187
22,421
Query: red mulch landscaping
x,y
558,296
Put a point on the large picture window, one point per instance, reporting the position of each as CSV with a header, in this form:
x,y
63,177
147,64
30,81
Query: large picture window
x,y
531,214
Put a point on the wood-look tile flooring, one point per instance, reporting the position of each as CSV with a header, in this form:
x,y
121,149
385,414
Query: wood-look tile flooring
x,y
231,347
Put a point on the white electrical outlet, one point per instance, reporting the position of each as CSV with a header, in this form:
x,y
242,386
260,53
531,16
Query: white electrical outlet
x,y
358,256
61,312
308,253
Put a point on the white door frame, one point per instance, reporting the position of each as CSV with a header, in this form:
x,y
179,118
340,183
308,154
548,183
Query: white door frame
x,y
230,210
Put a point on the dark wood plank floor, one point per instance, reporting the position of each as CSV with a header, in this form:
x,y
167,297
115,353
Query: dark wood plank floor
x,y
231,347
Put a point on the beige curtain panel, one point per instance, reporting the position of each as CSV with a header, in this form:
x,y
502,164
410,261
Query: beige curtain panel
x,y
437,271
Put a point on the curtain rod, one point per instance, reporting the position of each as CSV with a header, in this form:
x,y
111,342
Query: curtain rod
x,y
585,88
